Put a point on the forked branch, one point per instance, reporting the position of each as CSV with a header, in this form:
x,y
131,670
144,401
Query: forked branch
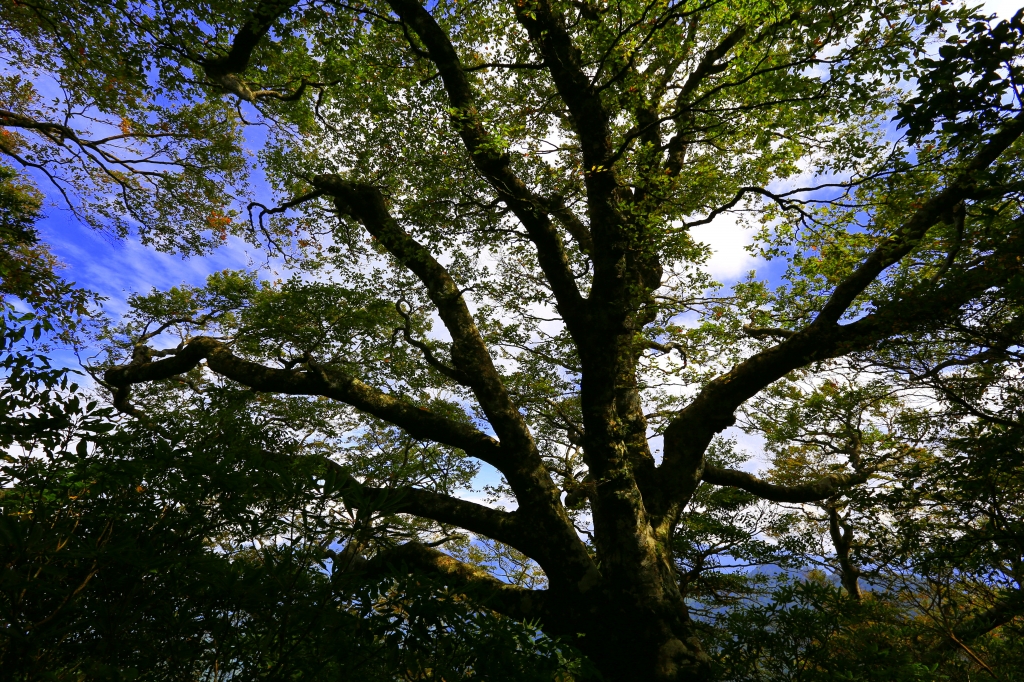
x,y
470,355
714,407
494,165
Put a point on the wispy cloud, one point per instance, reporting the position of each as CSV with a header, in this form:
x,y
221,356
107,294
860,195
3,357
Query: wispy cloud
x,y
116,268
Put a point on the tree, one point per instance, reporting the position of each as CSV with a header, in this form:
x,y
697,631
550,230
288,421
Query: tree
x,y
526,175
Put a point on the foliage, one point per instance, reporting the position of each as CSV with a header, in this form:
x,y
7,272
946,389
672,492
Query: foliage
x,y
808,629
194,552
487,217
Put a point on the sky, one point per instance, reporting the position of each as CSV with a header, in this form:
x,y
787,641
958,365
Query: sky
x,y
116,268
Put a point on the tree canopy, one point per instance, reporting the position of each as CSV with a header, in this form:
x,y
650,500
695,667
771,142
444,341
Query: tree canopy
x,y
485,212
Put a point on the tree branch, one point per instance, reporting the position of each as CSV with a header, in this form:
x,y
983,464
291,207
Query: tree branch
x,y
456,375
416,421
492,523
713,409
606,194
767,332
224,69
813,491
494,165
521,461
512,601
469,352
587,112
707,67
906,238
573,225
667,348
842,539
1001,613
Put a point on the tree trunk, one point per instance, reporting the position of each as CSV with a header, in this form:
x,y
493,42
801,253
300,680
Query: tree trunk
x,y
644,642
634,635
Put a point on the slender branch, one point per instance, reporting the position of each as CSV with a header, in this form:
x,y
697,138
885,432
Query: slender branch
x,y
974,656
667,348
780,199
493,523
452,373
486,65
276,210
973,410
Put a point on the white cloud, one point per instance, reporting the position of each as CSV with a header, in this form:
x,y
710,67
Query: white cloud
x,y
728,241
1004,8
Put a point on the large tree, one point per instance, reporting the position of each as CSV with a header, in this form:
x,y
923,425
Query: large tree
x,y
487,208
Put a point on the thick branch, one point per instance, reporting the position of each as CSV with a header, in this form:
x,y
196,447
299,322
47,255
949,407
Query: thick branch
x,y
813,491
521,461
614,290
1004,610
906,238
713,408
555,546
767,332
469,352
512,601
492,523
416,421
224,69
688,435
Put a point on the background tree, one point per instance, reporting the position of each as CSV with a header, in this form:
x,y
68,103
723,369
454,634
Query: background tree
x,y
525,176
